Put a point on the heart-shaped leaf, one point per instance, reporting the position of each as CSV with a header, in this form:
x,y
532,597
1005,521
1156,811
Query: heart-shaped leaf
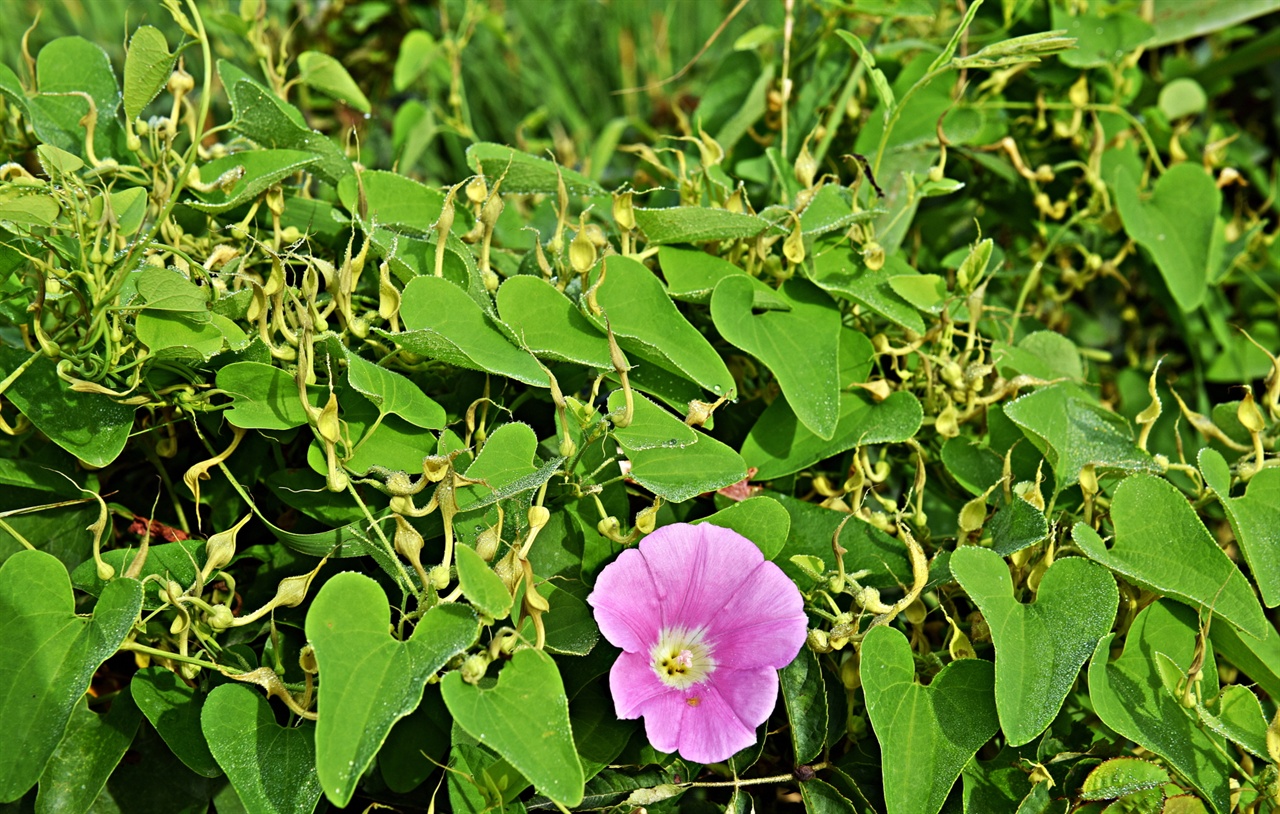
x,y
926,734
1254,518
91,748
173,709
47,656
1134,695
369,680
524,717
1162,544
800,346
271,767
1041,646
1237,716
647,324
1175,225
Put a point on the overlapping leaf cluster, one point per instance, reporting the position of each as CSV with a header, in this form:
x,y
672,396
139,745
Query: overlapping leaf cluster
x,y
965,317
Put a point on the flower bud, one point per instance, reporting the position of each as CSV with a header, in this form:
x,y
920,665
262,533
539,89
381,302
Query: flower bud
x,y
806,168
948,422
408,541
474,668
181,82
477,190
873,256
699,413
221,547
538,516
582,252
307,660
440,577
916,612
818,642
609,527
491,211
568,448
487,542
1248,414
221,618
624,211
646,519
973,514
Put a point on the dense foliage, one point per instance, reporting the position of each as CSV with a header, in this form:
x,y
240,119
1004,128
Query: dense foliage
x,y
341,348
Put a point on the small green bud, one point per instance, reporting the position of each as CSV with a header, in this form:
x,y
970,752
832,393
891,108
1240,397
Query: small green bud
x,y
474,668
221,618
439,577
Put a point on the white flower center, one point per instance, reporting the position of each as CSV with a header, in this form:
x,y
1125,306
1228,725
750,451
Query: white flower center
x,y
681,658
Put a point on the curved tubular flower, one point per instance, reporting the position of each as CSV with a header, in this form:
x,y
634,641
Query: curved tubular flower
x,y
705,623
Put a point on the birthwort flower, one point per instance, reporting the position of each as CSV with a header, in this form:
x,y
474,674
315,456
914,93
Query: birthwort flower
x,y
705,623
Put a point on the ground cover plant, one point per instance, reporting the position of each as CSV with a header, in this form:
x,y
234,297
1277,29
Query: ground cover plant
x,y
874,409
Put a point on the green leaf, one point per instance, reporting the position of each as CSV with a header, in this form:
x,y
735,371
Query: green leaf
x,y
1043,354
392,200
1100,40
693,275
369,680
800,346
1175,22
326,74
507,457
170,334
91,747
48,654
23,207
264,397
393,394
167,289
443,323
1257,658
1254,518
680,473
926,734
1041,646
645,320
1162,544
1015,526
1120,776
651,426
524,717
90,426
147,66
523,173
66,68
480,585
927,292
571,629
1182,97
245,176
549,325
57,162
867,548
1071,430
598,734
838,270
173,708
271,767
176,561
1134,695
779,444
1237,716
276,124
1175,225
417,51
819,798
760,519
805,695
127,206
696,224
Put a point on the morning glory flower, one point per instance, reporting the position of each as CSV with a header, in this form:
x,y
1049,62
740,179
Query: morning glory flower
x,y
704,623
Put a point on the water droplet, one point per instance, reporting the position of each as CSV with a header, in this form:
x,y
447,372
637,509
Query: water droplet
x,y
716,387
1159,237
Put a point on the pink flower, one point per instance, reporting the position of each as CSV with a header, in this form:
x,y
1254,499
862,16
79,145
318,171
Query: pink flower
x,y
704,623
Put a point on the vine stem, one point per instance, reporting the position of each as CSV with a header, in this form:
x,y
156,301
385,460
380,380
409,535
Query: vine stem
x,y
755,781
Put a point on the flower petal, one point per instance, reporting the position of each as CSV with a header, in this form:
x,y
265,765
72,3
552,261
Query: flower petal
x,y
762,624
626,603
635,686
697,570
729,708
